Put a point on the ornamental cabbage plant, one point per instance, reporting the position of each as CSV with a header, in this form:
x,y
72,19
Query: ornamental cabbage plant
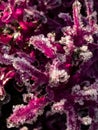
x,y
48,65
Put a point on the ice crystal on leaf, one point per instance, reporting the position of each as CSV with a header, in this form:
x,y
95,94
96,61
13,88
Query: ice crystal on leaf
x,y
26,113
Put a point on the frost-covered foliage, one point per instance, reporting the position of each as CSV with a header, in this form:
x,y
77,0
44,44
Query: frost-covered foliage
x,y
48,65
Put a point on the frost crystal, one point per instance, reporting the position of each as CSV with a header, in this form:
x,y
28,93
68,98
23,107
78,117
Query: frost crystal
x,y
58,106
86,120
57,75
